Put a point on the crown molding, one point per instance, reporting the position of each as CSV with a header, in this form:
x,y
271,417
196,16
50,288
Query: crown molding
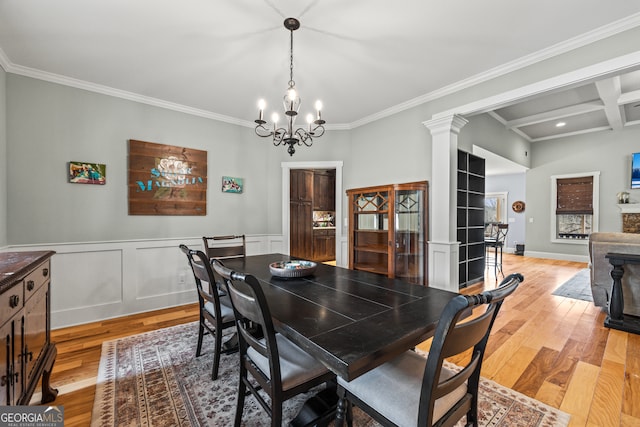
x,y
131,96
619,26
593,36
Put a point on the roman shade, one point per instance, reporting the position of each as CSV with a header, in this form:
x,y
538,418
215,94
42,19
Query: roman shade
x,y
575,196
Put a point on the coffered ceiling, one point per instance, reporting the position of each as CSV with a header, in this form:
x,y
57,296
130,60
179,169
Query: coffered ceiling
x,y
365,59
606,104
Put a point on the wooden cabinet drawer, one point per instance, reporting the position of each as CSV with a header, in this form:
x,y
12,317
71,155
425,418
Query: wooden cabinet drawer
x,y
36,279
11,301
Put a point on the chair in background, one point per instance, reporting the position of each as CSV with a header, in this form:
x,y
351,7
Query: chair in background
x,y
281,368
494,241
411,390
235,246
214,316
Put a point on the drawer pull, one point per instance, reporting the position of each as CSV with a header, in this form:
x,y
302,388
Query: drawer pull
x,y
45,272
14,300
30,285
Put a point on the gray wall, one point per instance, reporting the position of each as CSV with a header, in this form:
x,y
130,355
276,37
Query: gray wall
x,y
515,186
486,132
608,152
52,124
3,158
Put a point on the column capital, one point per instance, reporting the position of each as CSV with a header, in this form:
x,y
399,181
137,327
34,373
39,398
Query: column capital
x,y
449,124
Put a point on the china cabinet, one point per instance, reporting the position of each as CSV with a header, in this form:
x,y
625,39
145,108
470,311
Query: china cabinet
x,y
388,230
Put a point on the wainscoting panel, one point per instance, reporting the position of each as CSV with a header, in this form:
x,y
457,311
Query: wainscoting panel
x,y
102,280
93,277
162,272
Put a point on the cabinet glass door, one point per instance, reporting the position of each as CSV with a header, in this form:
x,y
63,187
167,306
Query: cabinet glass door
x,y
409,236
371,228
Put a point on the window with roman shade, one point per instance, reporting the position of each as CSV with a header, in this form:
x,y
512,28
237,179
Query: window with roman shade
x,y
574,207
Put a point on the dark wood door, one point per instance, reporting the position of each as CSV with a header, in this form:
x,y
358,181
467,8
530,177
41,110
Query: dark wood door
x,y
324,184
301,213
301,185
301,230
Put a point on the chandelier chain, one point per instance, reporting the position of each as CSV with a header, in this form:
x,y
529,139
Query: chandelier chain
x,y
291,82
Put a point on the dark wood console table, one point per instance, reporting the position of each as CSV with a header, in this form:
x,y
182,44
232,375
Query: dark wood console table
x,y
616,318
26,351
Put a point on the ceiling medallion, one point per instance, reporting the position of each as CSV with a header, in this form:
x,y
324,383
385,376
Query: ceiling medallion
x,y
286,134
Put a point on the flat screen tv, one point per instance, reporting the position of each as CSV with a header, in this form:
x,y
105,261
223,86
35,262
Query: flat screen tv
x,y
635,170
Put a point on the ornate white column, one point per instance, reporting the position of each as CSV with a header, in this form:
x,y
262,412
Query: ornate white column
x,y
443,244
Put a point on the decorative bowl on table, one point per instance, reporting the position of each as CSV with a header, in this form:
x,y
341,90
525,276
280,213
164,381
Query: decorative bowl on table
x,y
293,268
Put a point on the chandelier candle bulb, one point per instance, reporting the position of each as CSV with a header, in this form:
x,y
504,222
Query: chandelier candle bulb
x,y
309,121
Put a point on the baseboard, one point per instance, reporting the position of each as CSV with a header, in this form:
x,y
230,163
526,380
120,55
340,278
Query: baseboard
x,y
554,255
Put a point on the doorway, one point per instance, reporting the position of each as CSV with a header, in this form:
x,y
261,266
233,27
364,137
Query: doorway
x,y
495,207
287,167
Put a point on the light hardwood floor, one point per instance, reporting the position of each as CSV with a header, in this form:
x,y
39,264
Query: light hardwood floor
x,y
551,348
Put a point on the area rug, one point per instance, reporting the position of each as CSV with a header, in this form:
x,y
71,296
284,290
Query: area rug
x,y
153,379
578,287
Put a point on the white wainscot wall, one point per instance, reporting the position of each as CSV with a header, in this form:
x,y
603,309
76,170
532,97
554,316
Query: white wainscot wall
x,y
101,280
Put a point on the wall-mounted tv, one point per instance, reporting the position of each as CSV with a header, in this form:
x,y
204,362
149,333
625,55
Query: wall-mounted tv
x,y
635,170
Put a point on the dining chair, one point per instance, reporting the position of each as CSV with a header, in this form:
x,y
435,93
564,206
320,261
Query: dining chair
x,y
412,390
215,316
280,368
494,241
234,246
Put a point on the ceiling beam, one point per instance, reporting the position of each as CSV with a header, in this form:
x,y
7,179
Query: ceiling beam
x,y
629,97
578,132
610,91
559,113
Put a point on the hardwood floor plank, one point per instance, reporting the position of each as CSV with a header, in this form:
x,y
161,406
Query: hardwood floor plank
x,y
616,348
595,345
536,372
551,394
631,401
580,392
513,369
565,364
607,401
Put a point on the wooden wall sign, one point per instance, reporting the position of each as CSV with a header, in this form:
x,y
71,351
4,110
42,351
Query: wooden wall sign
x,y
166,180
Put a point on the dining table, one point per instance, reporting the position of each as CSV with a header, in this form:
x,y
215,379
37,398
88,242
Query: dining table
x,y
352,321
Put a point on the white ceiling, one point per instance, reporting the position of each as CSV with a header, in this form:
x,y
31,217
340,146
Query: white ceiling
x,y
363,58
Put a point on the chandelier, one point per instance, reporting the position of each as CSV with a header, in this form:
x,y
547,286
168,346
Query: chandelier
x,y
286,135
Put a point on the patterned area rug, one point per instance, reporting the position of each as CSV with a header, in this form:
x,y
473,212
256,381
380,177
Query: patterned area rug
x,y
578,287
153,379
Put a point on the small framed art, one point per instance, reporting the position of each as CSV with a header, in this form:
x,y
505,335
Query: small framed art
x,y
87,173
231,184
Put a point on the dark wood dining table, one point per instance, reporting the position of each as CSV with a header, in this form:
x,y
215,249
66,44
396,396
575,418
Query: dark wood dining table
x,y
352,321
